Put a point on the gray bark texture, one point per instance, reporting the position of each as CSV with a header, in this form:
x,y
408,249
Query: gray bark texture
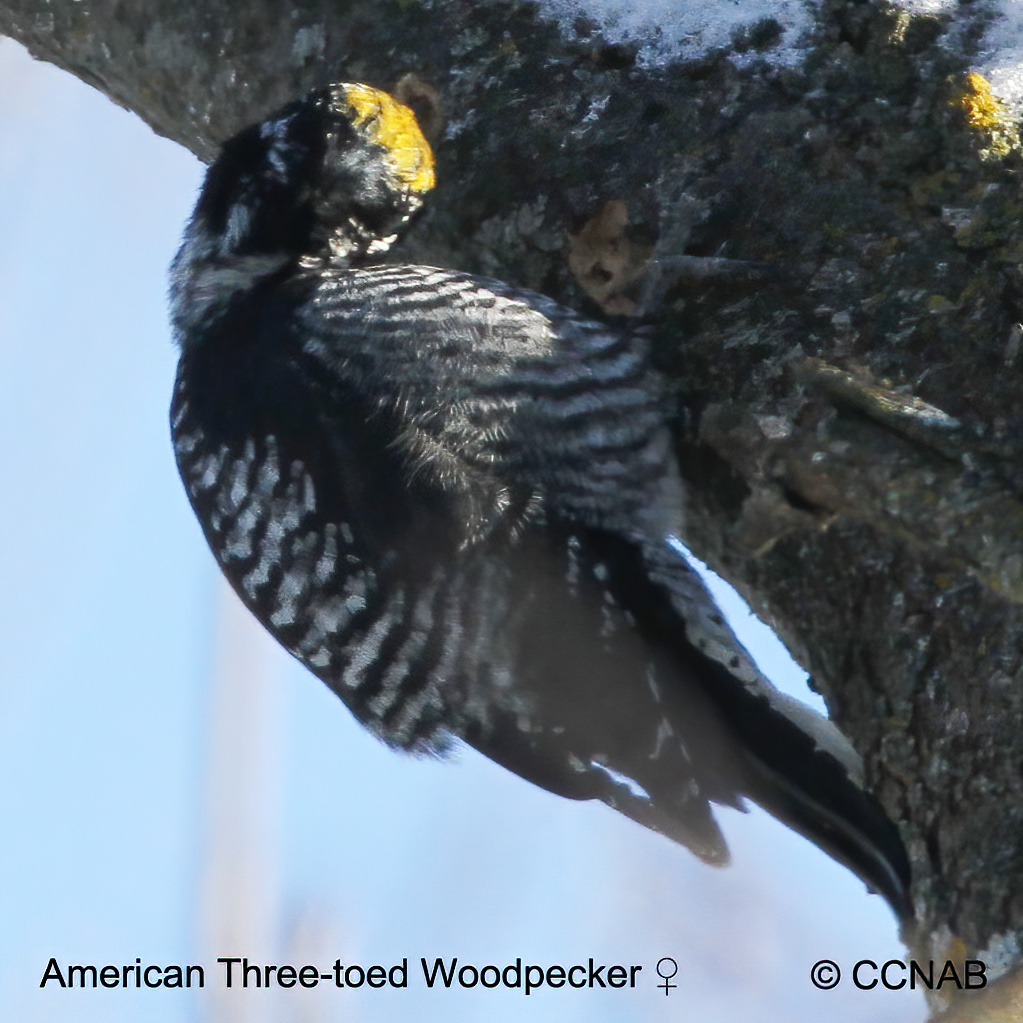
x,y
828,256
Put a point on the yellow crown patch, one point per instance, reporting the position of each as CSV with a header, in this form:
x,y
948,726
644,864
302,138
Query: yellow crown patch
x,y
393,127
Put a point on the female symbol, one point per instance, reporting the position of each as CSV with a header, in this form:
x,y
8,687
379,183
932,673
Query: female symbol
x,y
665,974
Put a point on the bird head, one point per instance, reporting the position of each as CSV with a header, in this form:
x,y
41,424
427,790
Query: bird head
x,y
334,175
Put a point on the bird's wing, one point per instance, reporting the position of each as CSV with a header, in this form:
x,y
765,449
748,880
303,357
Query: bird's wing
x,y
508,395
504,389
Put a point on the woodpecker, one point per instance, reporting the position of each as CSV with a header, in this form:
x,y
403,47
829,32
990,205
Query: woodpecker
x,y
458,504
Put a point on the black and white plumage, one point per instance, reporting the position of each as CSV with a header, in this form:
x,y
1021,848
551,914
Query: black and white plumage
x,y
457,503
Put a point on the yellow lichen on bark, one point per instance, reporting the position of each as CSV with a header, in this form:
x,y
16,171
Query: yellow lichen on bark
x,y
988,115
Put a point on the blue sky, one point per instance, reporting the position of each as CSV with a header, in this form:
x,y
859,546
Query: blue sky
x,y
109,622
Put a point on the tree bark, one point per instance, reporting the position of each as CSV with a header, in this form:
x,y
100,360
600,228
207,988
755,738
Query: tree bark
x,y
827,254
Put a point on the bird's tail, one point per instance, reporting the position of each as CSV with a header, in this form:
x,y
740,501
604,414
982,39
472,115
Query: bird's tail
x,y
800,781
794,763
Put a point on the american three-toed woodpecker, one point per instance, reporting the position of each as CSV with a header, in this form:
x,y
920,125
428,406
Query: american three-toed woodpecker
x,y
457,502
